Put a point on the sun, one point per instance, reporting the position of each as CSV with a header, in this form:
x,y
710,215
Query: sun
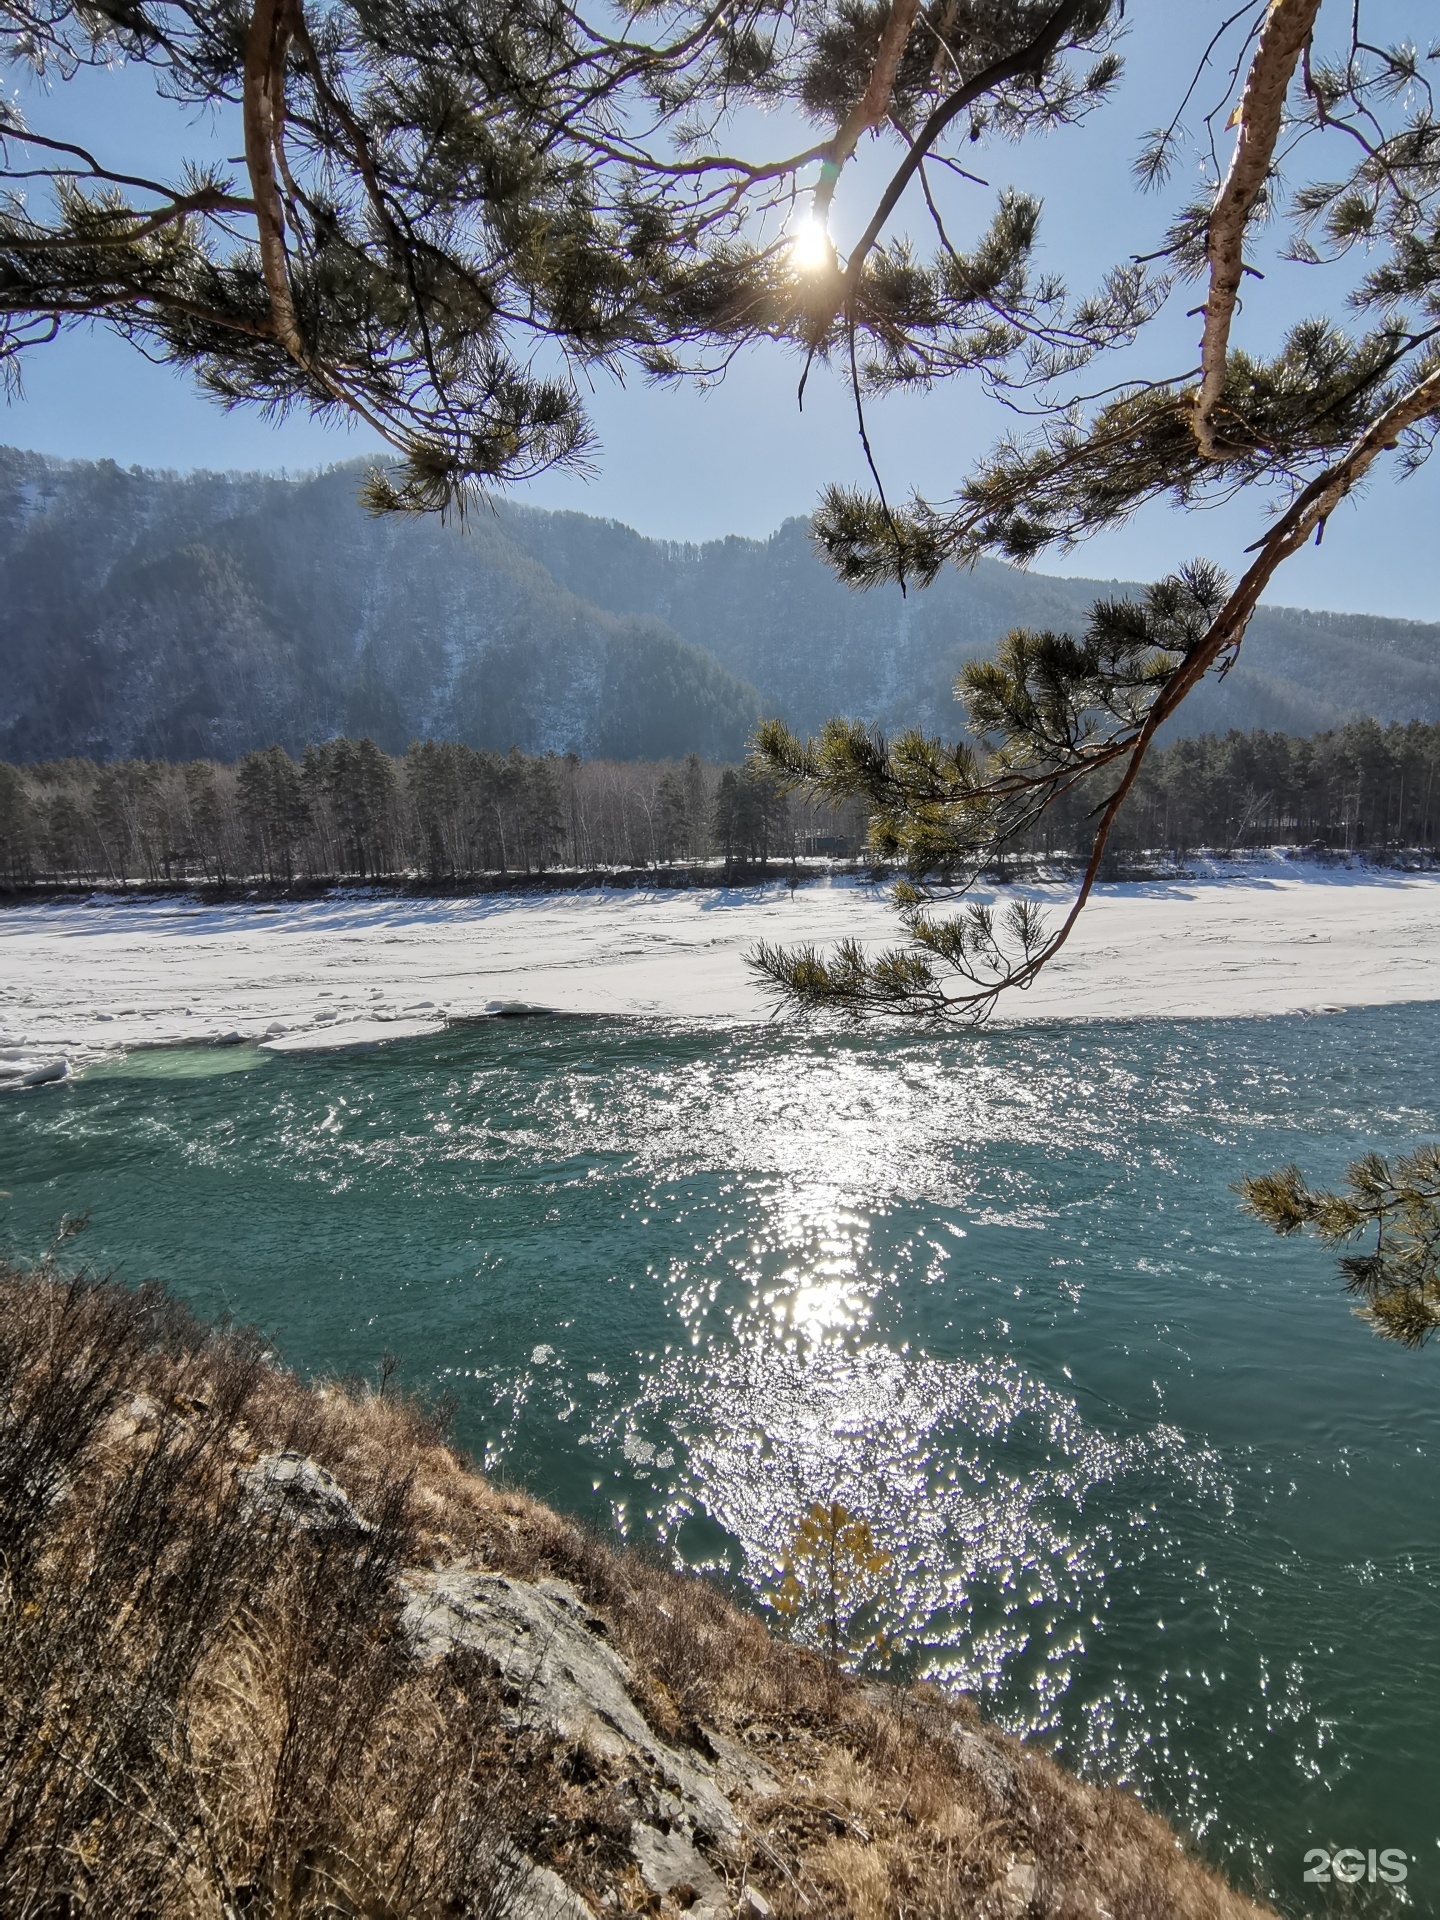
x,y
810,245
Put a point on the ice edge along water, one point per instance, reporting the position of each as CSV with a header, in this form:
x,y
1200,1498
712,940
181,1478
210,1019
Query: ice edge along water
x,y
80,980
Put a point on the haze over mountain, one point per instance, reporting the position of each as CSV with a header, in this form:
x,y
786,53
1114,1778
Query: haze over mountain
x,y
171,616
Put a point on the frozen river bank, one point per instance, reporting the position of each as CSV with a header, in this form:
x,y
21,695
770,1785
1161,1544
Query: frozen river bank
x,y
88,977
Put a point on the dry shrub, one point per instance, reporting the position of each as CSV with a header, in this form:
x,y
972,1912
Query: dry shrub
x,y
857,1877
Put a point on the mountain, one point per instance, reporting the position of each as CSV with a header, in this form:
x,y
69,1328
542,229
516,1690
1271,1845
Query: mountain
x,y
771,612
179,616
145,613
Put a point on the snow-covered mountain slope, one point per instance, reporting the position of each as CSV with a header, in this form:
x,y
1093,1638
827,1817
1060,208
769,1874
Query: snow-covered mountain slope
x,y
171,616
149,614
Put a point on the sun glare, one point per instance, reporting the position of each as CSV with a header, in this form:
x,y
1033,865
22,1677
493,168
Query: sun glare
x,y
810,245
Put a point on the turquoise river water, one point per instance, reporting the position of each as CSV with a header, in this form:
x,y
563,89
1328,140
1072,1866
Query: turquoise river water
x,y
1150,1489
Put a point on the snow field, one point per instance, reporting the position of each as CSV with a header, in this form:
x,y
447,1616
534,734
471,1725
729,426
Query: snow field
x,y
79,980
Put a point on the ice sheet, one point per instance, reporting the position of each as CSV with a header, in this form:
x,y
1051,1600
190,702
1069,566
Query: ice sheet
x,y
84,978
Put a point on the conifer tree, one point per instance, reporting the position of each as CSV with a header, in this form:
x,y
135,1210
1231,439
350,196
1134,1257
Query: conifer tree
x,y
355,782
749,817
543,806
207,826
273,811
672,827
16,831
438,777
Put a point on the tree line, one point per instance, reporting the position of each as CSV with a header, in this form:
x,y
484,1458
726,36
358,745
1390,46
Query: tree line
x,y
1361,786
443,813
447,814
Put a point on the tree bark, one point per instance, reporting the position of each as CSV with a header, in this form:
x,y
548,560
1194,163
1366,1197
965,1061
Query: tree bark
x,y
1287,28
266,46
871,109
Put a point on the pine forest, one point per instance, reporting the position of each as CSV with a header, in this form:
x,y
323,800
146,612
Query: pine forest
x,y
444,813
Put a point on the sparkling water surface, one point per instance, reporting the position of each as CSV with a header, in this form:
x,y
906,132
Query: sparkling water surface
x,y
1150,1489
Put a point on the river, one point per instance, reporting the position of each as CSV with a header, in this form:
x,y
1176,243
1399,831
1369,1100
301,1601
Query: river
x,y
1147,1486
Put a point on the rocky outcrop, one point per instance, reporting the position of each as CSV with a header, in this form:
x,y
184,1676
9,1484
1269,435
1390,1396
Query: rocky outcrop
x,y
560,1674
539,1894
479,1708
301,1493
693,1810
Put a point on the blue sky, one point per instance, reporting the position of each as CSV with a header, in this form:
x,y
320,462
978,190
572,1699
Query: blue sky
x,y
740,459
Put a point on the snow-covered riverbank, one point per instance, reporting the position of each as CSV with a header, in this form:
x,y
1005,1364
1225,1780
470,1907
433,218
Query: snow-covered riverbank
x,y
85,978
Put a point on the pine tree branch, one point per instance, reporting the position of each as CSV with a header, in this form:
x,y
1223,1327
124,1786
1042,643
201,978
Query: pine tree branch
x,y
872,109
1307,512
360,146
266,45
1030,60
1313,507
1284,36
903,981
205,201
1397,1281
92,169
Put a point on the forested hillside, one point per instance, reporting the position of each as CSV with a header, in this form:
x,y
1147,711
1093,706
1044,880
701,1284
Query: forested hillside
x,y
770,612
178,617
173,618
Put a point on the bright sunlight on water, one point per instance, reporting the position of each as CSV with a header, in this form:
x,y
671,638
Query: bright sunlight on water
x,y
1149,1487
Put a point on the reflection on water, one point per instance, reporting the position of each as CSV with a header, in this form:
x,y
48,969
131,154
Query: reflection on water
x,y
1147,1486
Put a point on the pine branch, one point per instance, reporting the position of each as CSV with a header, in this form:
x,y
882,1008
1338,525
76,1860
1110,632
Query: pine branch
x,y
1052,734
1398,1282
872,109
1286,32
1028,61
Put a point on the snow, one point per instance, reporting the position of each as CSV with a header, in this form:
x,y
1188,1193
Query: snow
x,y
83,979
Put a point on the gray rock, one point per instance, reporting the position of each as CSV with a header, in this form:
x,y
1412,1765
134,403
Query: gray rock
x,y
738,1768
141,1414
551,1649
300,1490
992,1767
671,1863
1018,1889
539,1894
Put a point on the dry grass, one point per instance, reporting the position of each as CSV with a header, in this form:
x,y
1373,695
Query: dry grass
x,y
211,1714
207,1712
